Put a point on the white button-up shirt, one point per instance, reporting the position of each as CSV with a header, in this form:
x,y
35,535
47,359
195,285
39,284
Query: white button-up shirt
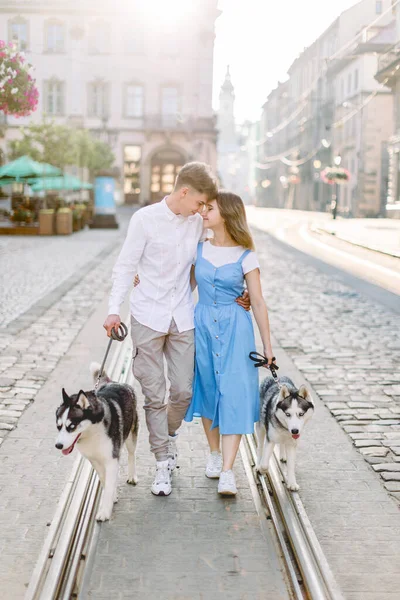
x,y
160,246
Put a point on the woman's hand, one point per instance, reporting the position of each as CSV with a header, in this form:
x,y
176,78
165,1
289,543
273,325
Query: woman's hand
x,y
269,355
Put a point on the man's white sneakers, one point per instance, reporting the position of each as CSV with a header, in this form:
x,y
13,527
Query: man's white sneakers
x,y
214,465
227,484
172,452
162,482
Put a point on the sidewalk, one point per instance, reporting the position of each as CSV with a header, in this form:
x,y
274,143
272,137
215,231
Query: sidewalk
x,y
382,235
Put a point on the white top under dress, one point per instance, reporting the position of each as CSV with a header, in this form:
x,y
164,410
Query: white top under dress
x,y
223,255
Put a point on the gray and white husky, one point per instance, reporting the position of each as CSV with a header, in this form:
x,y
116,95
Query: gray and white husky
x,y
99,422
283,413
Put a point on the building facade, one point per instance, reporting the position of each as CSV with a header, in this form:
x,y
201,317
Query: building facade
x,y
301,126
388,72
137,73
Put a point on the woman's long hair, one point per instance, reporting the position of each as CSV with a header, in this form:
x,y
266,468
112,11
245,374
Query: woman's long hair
x,y
233,212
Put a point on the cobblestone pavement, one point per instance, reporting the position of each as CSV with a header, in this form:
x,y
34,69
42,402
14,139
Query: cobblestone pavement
x,y
348,348
27,358
32,266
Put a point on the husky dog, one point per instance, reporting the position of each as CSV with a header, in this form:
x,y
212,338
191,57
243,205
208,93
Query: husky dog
x,y
99,422
283,413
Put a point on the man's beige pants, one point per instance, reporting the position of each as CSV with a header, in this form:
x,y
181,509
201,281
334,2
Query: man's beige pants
x,y
149,348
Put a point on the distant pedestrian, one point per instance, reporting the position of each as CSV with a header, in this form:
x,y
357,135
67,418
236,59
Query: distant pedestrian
x,y
225,392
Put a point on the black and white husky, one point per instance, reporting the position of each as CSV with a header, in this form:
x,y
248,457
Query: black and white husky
x,y
283,413
99,422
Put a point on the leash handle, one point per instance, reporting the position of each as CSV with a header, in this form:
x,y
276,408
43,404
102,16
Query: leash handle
x,y
261,361
118,337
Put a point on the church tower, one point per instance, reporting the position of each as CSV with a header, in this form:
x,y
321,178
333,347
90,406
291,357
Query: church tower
x,y
226,118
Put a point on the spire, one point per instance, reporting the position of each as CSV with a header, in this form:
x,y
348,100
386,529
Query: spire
x,y
227,85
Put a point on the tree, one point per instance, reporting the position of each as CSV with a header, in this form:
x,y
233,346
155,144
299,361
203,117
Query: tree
x,y
62,146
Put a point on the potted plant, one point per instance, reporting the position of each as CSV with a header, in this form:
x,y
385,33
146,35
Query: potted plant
x,y
64,221
18,93
46,221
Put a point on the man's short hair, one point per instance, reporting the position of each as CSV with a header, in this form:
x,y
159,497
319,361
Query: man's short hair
x,y
199,176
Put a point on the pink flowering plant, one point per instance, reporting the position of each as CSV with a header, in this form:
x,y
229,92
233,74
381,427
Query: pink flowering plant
x,y
18,92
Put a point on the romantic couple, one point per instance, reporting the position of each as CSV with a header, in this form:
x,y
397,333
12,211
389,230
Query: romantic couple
x,y
206,349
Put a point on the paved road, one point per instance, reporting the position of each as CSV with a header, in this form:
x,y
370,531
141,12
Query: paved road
x,y
349,459
304,231
31,267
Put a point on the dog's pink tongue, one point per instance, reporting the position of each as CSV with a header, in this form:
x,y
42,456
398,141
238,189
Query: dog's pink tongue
x,y
69,450
295,436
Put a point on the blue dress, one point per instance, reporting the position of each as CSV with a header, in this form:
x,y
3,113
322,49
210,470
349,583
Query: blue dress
x,y
225,387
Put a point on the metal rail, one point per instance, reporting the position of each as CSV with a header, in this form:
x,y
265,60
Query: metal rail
x,y
285,508
70,544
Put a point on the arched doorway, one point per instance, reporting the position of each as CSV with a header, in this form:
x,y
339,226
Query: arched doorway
x,y
165,166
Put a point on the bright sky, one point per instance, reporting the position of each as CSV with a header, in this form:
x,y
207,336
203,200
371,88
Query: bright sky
x,y
259,39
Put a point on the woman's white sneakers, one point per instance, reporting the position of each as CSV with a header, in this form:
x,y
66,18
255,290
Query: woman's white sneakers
x,y
162,482
227,484
214,465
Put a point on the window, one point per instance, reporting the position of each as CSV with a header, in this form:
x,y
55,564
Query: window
x,y
134,40
99,38
18,33
169,102
349,83
54,37
378,7
132,156
98,99
54,94
356,80
134,100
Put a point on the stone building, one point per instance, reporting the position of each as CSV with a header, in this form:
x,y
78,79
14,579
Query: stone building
x,y
137,73
302,118
389,73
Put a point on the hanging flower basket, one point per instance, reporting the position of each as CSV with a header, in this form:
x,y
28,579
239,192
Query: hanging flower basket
x,y
18,93
332,175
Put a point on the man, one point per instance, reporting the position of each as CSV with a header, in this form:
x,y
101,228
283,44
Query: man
x,y
160,246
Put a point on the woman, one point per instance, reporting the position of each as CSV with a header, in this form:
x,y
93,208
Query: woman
x,y
225,389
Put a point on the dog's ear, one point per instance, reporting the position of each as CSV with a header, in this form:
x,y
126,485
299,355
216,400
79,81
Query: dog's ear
x,y
304,393
284,392
66,398
82,400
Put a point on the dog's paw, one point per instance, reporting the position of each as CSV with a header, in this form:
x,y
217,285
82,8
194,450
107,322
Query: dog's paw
x,y
102,516
132,480
293,486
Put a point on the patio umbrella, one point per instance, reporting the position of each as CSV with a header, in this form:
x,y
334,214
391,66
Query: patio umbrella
x,y
24,167
66,182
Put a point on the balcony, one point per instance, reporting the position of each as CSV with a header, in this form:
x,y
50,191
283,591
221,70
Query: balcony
x,y
388,65
177,122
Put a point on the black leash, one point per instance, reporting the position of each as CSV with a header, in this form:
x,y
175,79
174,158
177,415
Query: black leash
x,y
118,337
261,361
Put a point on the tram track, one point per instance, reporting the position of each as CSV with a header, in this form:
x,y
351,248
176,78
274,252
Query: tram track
x,y
65,561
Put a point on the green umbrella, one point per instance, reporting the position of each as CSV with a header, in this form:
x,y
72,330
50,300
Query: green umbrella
x,y
66,182
27,167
